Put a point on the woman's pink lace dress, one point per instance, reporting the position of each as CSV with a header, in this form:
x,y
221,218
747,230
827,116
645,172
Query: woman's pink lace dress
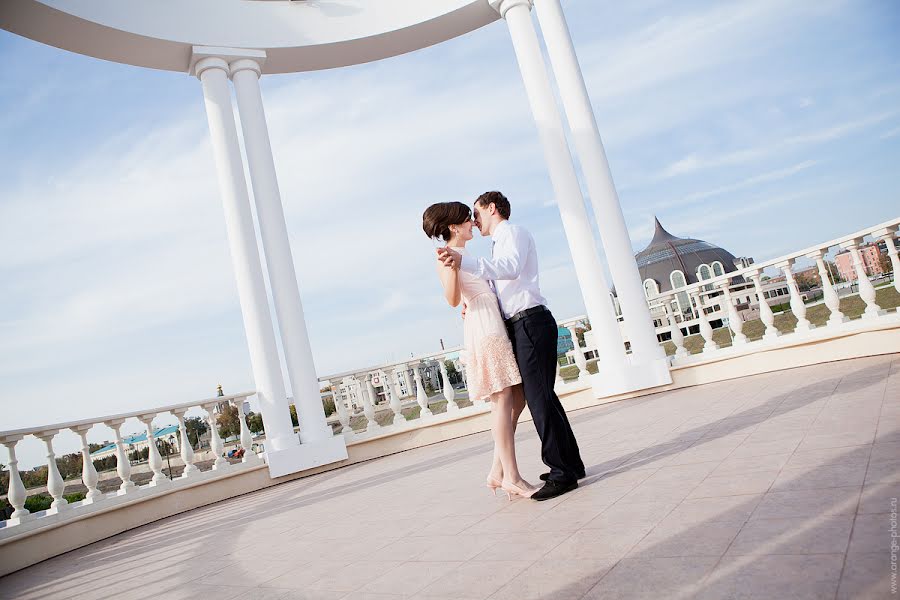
x,y
489,359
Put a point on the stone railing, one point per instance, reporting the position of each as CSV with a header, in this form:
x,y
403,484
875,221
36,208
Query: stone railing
x,y
719,291
22,520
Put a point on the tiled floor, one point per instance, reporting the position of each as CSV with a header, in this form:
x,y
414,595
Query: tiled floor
x,y
769,487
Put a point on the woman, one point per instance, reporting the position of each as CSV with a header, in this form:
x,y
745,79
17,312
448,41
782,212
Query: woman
x,y
491,368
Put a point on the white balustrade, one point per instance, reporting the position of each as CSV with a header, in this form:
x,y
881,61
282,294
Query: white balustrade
x,y
580,362
123,464
421,396
187,452
250,456
449,392
675,329
866,289
16,494
215,442
832,301
765,311
369,399
887,236
341,408
796,300
390,377
154,460
88,472
734,317
55,484
706,331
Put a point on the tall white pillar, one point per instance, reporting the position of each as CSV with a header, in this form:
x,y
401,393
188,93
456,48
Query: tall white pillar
x,y
566,189
279,261
637,320
213,75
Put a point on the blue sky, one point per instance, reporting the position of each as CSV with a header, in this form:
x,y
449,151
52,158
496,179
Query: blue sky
x,y
764,127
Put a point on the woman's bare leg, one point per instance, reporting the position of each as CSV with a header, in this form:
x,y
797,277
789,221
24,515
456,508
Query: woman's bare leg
x,y
504,439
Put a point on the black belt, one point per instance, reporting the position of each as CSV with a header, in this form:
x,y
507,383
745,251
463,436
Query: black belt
x,y
524,313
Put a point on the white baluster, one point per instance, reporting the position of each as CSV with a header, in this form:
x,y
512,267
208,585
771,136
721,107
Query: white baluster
x,y
391,388
154,460
734,317
123,466
449,392
16,494
675,329
706,330
215,440
887,235
421,396
765,311
55,484
341,408
369,399
580,361
88,472
250,457
866,289
408,382
796,300
832,301
187,452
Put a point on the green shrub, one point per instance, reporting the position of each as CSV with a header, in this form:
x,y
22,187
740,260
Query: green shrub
x,y
328,404
38,502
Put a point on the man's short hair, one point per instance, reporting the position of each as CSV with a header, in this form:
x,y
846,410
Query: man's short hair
x,y
497,199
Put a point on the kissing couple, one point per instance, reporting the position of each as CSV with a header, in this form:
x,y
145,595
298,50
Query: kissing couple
x,y
510,339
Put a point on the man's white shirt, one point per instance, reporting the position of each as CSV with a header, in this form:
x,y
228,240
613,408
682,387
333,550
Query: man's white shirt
x,y
513,268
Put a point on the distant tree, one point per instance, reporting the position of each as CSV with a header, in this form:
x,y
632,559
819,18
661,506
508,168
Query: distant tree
x,y
831,268
69,465
452,373
228,422
806,281
579,333
92,447
294,420
255,423
885,262
765,278
328,405
195,427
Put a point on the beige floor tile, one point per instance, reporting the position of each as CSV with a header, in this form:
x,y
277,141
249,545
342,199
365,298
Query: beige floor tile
x,y
354,576
653,578
780,446
797,535
523,546
756,482
857,456
475,579
632,514
739,466
409,578
866,577
805,503
678,538
556,579
717,508
592,544
876,497
823,476
770,577
871,533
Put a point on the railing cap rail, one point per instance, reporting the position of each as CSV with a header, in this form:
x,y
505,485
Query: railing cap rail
x,y
95,420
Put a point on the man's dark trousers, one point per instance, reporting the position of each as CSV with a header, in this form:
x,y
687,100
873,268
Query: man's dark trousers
x,y
534,341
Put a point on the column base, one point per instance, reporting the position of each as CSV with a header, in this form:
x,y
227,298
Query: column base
x,y
620,379
306,456
835,321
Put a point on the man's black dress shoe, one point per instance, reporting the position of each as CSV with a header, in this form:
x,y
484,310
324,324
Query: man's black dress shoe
x,y
552,489
546,476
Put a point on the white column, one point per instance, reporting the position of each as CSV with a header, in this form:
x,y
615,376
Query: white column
x,y
421,396
888,237
213,74
709,345
391,387
765,312
580,361
796,301
734,317
187,452
449,392
566,189
866,289
832,301
154,460
215,440
55,484
369,399
280,264
16,494
88,472
123,466
613,232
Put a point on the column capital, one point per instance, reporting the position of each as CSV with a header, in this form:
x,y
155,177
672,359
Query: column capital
x,y
816,254
853,244
503,6
206,57
785,264
247,64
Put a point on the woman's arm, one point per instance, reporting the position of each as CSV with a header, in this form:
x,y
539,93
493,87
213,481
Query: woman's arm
x,y
450,280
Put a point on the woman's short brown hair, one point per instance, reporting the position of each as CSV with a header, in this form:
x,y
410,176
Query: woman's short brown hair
x,y
438,218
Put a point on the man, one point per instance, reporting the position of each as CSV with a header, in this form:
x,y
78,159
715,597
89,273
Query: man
x,y
513,271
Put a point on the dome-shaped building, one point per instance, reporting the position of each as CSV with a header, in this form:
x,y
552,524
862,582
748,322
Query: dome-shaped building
x,y
670,262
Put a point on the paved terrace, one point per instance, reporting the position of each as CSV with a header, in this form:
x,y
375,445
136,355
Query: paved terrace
x,y
773,486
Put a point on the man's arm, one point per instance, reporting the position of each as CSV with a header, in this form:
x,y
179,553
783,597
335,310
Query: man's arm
x,y
510,253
